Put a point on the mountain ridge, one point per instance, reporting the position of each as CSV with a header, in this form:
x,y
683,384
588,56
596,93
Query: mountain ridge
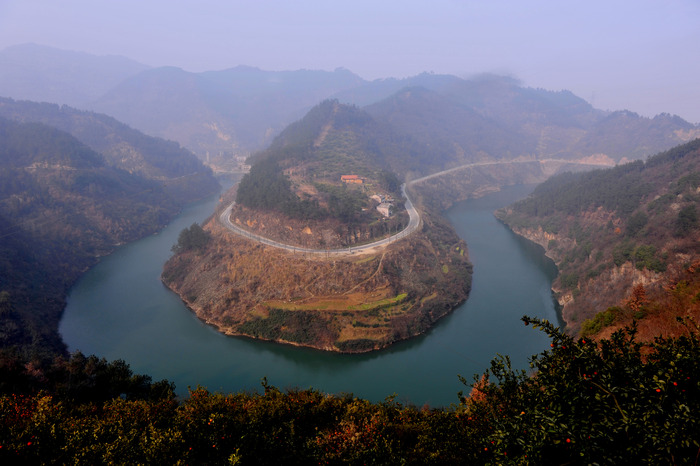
x,y
223,116
48,74
122,146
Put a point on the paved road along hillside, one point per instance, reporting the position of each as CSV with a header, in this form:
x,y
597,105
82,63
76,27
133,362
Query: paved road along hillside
x,y
413,223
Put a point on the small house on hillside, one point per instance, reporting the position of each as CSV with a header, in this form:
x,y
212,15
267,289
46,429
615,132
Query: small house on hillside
x,y
351,179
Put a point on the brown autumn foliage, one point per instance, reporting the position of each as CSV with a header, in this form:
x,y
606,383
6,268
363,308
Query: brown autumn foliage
x,y
664,312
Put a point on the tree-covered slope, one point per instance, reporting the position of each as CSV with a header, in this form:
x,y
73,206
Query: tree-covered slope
x,y
122,147
62,205
300,174
349,138
617,235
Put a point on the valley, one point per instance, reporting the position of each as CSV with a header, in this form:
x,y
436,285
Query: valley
x,y
311,261
349,233
447,138
337,299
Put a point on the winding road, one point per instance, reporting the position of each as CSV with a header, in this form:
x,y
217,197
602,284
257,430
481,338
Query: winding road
x,y
413,222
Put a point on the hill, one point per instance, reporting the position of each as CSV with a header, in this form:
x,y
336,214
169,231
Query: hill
x,y
622,238
63,205
454,134
295,194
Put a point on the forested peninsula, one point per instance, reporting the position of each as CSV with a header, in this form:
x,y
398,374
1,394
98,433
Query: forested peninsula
x,y
322,185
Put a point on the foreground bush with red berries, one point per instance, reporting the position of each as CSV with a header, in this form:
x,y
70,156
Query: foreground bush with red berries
x,y
614,401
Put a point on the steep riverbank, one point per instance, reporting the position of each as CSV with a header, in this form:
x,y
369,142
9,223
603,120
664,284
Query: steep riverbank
x,y
621,237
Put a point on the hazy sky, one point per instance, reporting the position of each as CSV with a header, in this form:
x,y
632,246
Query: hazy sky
x,y
641,55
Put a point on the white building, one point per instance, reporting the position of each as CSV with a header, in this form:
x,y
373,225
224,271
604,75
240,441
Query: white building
x,y
385,209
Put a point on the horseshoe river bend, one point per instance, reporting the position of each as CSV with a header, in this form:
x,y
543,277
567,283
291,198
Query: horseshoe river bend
x,y
119,309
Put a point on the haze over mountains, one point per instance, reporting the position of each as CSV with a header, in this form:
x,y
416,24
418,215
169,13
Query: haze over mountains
x,y
46,74
239,110
113,131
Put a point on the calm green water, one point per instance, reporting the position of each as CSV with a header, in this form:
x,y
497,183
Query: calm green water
x,y
121,310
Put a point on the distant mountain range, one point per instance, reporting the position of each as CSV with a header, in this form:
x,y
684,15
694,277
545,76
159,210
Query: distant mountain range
x,y
221,114
45,74
493,118
230,111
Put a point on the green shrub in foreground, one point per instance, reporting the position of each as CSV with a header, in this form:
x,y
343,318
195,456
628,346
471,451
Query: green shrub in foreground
x,y
613,402
616,401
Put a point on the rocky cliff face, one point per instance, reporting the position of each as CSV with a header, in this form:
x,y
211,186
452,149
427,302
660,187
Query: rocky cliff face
x,y
611,287
621,238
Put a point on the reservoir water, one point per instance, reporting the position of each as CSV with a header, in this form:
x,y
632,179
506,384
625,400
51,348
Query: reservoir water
x,y
120,310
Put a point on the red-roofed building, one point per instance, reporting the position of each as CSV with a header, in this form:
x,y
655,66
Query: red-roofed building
x,y
351,179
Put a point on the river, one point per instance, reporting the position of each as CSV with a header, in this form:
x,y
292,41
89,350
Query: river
x,y
119,309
